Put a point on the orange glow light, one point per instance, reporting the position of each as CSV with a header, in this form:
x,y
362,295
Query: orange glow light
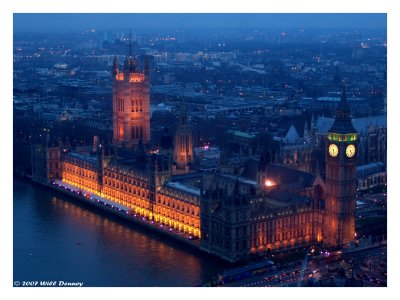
x,y
269,183
119,76
136,77
87,180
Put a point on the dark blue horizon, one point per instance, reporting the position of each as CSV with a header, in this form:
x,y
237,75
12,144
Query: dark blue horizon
x,y
63,22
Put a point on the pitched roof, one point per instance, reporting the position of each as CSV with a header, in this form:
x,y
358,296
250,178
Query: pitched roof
x,y
292,136
279,173
360,124
342,123
288,198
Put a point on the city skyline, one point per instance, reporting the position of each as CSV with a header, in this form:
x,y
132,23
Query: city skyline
x,y
240,144
301,74
63,22
83,243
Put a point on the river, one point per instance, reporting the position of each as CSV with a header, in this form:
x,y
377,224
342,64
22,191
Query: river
x,y
57,239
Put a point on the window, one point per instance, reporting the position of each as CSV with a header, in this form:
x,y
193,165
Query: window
x,y
120,104
133,135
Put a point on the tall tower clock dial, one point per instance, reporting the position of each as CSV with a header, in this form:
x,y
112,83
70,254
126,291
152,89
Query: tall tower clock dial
x,y
350,150
333,150
341,154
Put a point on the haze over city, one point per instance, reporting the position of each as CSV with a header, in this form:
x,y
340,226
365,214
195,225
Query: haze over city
x,y
74,22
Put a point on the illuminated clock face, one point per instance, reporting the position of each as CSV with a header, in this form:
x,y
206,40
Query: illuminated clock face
x,y
350,150
333,150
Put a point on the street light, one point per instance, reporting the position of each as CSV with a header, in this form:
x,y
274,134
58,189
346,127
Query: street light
x,y
269,183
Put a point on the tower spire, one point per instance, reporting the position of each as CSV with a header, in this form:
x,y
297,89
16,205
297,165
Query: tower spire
x,y
130,42
183,146
132,61
342,123
183,115
343,105
115,65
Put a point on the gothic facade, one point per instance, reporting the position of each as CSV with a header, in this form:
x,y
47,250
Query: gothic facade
x,y
258,209
131,103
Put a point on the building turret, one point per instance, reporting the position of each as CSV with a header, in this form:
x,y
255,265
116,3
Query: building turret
x,y
147,67
306,132
115,67
126,64
132,65
262,176
183,146
46,159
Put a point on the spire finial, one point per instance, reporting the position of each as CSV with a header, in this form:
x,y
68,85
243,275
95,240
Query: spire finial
x,y
183,92
343,98
343,84
317,169
130,42
183,116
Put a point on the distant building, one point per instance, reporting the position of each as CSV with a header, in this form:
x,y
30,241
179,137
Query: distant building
x,y
371,175
246,141
359,106
208,158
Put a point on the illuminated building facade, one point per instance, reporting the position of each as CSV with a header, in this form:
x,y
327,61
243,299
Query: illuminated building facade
x,y
129,187
258,213
144,190
234,216
178,206
131,103
81,171
255,210
280,220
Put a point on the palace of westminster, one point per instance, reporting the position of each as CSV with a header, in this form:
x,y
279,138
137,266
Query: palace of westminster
x,y
235,213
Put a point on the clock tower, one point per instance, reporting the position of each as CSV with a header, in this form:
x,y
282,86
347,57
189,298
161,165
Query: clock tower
x,y
341,154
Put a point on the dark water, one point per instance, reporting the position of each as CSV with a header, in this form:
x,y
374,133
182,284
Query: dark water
x,y
57,239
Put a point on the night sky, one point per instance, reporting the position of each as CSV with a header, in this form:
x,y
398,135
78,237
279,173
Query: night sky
x,y
75,22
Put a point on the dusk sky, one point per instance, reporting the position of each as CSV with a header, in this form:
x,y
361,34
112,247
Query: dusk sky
x,y
73,22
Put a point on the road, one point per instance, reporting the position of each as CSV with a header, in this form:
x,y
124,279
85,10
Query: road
x,y
362,268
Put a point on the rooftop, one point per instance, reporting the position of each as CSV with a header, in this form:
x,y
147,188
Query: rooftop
x,y
183,187
241,179
279,173
242,134
81,156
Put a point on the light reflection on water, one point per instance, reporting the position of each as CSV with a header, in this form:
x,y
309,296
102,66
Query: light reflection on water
x,y
55,239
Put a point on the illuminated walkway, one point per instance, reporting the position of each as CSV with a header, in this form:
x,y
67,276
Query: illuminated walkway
x,y
122,210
